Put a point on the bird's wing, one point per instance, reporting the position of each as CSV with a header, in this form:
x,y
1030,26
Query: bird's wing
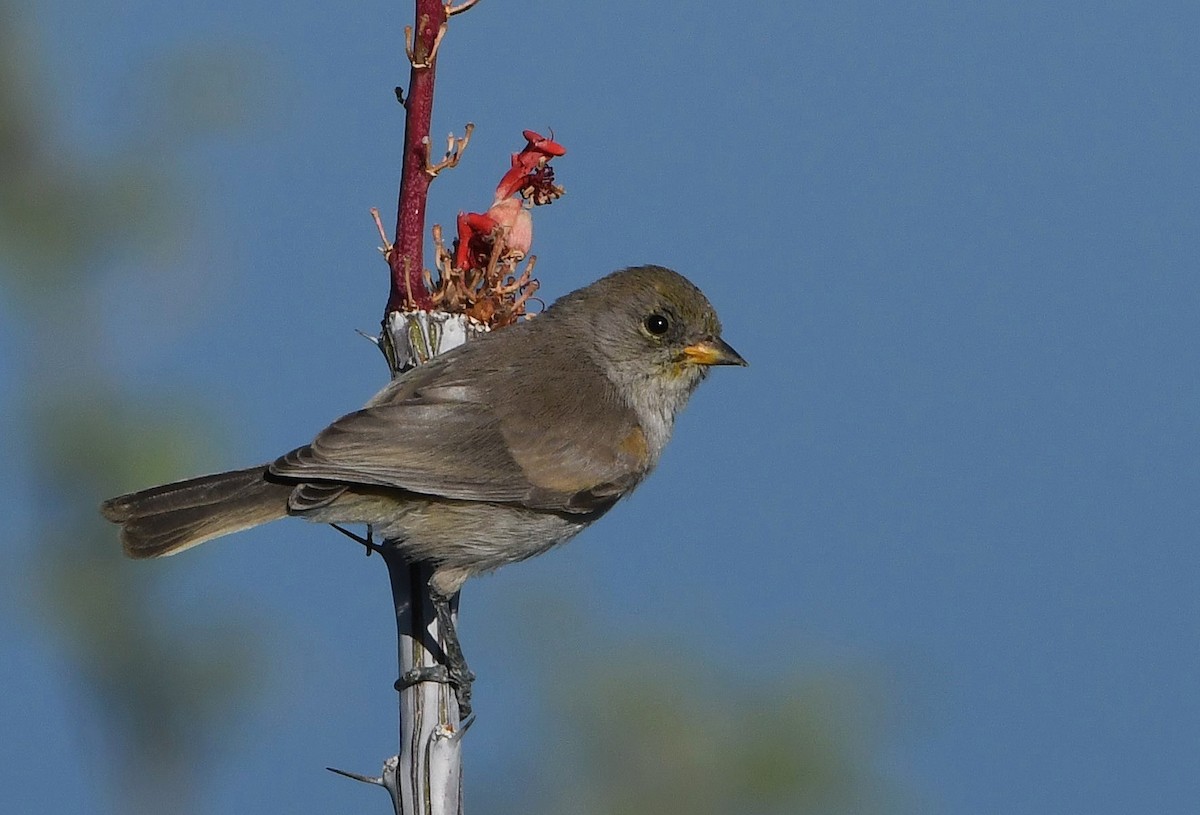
x,y
444,441
453,450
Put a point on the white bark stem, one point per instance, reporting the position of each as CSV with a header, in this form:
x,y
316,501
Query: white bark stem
x,y
429,764
425,776
427,779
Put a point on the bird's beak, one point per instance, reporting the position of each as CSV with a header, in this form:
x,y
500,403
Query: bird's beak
x,y
712,351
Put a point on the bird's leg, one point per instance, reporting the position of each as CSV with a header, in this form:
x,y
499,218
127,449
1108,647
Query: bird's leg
x,y
456,664
453,670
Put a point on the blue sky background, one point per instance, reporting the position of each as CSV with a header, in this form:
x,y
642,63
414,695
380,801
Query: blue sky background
x,y
957,243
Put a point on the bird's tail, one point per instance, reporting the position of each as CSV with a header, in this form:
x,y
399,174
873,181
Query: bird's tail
x,y
168,519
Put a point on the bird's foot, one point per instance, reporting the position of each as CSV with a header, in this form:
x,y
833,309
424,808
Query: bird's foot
x,y
457,676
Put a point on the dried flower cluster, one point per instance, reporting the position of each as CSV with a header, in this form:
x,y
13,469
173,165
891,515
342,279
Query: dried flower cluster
x,y
480,276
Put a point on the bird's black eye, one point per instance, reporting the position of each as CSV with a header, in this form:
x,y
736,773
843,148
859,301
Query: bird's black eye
x,y
657,324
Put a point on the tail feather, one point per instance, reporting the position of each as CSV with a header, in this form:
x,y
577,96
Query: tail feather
x,y
167,519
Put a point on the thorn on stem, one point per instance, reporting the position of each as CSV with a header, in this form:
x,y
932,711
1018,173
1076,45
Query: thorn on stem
x,y
451,10
455,734
370,337
366,779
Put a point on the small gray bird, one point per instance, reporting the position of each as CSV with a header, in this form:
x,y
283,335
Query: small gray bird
x,y
488,454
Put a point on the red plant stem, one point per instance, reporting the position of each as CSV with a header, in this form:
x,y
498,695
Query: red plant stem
x,y
406,260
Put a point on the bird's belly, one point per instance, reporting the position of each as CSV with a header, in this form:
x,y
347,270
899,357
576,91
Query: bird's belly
x,y
466,535
476,537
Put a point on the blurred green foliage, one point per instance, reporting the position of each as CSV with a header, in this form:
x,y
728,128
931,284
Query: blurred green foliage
x,y
164,687
639,726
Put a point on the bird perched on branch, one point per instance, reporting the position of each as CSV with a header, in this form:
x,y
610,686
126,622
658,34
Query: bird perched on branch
x,y
488,454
